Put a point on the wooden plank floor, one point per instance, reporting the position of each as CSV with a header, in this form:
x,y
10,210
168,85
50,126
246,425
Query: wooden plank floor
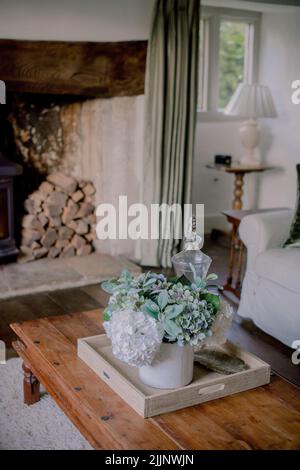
x,y
91,297
47,305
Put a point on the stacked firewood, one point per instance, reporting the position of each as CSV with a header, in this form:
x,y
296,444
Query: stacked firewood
x,y
60,219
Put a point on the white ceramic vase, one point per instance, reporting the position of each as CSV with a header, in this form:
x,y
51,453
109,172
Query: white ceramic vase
x,y
172,368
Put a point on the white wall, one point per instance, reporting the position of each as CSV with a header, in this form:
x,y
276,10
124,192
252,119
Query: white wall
x,y
279,66
76,20
280,145
215,188
211,187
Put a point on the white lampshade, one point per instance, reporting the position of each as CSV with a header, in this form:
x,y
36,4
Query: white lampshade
x,y
251,101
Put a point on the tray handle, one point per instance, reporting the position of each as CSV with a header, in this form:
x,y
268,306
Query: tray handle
x,y
211,389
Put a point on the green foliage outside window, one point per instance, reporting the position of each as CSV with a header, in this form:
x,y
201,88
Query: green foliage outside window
x,y
231,59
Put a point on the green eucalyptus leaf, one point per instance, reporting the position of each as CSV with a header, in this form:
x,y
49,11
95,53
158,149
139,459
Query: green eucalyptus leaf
x,y
151,308
152,305
106,314
211,277
172,311
171,328
109,286
162,299
150,312
212,299
184,280
126,274
173,279
123,285
200,283
149,282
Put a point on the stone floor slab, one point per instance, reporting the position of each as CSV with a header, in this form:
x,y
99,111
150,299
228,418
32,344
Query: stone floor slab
x,y
104,265
48,275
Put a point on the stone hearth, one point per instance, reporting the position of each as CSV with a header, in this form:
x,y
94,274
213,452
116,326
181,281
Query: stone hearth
x,y
48,274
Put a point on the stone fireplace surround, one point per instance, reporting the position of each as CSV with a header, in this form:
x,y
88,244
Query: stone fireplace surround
x,y
97,139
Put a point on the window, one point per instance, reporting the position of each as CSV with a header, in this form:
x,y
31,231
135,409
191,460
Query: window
x,y
228,55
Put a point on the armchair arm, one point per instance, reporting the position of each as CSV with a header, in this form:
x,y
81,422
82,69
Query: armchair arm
x,y
260,232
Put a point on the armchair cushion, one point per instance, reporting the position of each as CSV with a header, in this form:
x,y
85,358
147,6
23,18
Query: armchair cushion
x,y
263,231
280,266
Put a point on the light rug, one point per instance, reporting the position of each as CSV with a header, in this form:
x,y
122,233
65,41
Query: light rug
x,y
42,426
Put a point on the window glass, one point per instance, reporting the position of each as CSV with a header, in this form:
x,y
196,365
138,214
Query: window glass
x,y
232,59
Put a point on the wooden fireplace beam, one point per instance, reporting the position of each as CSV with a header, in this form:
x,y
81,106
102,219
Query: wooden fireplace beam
x,y
89,69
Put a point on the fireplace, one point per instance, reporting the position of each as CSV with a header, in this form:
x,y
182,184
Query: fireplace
x,y
8,170
77,109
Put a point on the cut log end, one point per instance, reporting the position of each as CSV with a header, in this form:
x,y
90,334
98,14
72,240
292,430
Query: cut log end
x,y
60,219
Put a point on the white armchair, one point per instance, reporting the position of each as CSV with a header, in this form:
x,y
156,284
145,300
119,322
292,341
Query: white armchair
x,y
271,287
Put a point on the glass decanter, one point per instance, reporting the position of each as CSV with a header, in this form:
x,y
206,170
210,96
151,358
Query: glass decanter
x,y
191,255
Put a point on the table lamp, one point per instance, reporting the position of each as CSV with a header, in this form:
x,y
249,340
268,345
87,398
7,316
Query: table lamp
x,y
250,102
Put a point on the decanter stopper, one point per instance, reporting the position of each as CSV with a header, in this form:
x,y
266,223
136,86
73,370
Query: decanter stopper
x,y
191,256
192,241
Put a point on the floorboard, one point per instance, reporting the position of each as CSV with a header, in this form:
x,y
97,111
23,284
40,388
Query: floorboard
x,y
97,294
74,300
42,305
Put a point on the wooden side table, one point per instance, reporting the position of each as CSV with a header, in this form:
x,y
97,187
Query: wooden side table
x,y
236,256
239,172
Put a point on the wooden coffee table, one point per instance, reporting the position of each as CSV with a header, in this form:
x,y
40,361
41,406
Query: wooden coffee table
x,y
264,418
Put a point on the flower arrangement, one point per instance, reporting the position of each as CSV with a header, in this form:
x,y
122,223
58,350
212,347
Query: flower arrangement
x,y
149,309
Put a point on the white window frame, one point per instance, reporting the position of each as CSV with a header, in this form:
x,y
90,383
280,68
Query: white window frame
x,y
212,17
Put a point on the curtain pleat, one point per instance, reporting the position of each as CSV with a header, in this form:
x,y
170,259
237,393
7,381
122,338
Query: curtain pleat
x,y
170,115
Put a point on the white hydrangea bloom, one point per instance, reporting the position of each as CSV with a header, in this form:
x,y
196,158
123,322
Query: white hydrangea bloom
x,y
135,336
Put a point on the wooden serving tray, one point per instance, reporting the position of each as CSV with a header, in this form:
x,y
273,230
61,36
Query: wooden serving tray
x,y
96,352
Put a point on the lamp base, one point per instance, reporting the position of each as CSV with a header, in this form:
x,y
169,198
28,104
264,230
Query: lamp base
x,y
250,137
249,162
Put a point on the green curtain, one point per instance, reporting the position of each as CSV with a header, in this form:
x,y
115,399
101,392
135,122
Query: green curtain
x,y
170,115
